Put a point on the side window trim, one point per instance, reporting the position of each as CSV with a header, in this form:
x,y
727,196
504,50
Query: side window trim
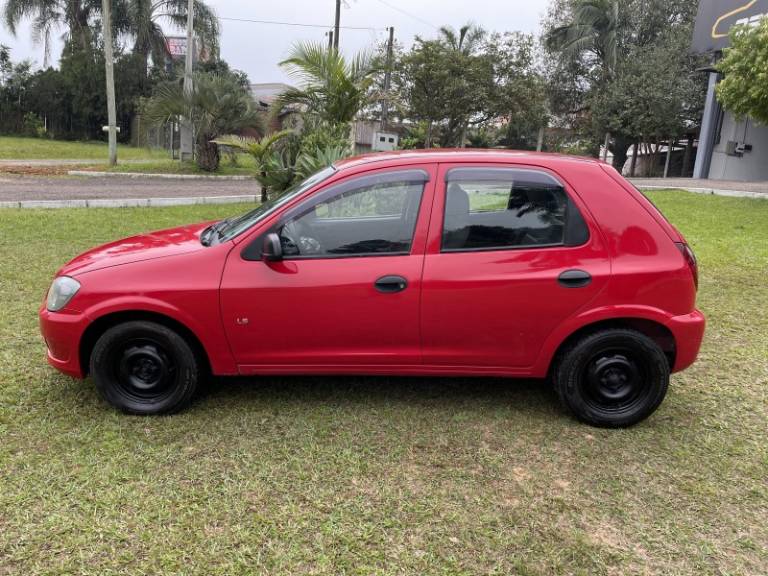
x,y
576,231
413,175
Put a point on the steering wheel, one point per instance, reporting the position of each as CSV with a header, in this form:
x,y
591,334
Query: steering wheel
x,y
296,242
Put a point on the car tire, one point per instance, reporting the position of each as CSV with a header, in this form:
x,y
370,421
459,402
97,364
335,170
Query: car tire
x,y
142,367
613,378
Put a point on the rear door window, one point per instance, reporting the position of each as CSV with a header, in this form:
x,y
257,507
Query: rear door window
x,y
508,208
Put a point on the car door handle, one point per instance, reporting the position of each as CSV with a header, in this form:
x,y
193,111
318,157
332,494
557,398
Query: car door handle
x,y
391,284
574,278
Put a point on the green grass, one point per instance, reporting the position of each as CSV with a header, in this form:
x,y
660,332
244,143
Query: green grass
x,y
244,166
19,148
385,475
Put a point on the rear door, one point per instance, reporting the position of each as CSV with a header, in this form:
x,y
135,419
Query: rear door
x,y
512,252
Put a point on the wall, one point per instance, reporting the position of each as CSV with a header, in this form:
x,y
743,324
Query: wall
x,y
752,166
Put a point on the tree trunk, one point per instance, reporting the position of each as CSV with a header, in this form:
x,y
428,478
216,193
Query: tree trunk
x,y
264,195
428,138
208,157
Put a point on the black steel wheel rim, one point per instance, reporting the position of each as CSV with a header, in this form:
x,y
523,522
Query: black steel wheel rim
x,y
143,370
615,380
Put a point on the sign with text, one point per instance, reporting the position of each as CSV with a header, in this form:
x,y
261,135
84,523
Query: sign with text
x,y
716,18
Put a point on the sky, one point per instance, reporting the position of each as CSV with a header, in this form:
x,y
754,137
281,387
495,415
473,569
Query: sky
x,y
258,48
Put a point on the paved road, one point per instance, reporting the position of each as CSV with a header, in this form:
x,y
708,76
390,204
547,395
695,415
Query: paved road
x,y
16,188
20,188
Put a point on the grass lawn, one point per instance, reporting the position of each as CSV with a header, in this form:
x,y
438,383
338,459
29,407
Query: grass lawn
x,y
384,475
244,166
19,148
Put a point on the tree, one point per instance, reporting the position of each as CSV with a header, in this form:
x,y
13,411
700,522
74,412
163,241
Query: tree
x,y
141,19
593,27
466,41
216,105
260,149
744,89
332,89
594,49
46,15
518,100
446,84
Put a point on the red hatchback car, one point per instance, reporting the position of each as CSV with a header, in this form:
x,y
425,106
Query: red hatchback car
x,y
439,263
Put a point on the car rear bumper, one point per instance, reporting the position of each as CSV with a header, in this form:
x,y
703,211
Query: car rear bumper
x,y
688,331
62,332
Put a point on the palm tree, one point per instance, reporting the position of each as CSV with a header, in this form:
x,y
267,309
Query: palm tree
x,y
214,106
260,149
333,89
595,28
141,19
466,41
47,15
137,19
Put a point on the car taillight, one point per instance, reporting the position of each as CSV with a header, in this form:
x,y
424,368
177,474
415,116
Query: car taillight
x,y
690,259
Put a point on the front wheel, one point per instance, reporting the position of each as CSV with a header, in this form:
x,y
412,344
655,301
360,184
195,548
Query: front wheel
x,y
144,368
612,378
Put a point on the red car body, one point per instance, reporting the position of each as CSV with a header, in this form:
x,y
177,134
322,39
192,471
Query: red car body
x,y
495,312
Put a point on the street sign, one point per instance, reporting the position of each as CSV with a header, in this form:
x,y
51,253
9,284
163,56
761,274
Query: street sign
x,y
715,19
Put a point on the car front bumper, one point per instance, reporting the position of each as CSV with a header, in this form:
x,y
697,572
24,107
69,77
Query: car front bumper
x,y
63,332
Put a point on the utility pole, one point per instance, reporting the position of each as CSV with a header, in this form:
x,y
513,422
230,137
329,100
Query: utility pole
x,y
330,39
106,10
186,128
387,77
336,26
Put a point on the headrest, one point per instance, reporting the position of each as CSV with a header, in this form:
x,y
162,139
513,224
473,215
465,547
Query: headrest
x,y
457,199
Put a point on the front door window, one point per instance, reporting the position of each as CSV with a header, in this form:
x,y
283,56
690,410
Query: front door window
x,y
373,218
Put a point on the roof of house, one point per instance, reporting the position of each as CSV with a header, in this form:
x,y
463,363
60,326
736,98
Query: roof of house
x,y
265,93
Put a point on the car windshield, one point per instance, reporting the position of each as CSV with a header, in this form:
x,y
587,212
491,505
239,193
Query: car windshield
x,y
232,227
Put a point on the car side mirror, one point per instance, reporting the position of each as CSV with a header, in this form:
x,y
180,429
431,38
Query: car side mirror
x,y
272,251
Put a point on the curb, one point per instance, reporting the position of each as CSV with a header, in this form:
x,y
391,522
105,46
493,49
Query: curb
x,y
711,191
130,202
92,174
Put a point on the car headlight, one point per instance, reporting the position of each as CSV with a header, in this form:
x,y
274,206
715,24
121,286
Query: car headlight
x,y
61,292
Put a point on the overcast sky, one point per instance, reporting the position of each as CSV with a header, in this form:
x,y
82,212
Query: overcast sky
x,y
257,48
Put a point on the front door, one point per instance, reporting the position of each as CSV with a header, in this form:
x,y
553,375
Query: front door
x,y
511,254
346,294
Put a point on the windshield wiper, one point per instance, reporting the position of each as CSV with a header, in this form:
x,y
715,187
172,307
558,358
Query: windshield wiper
x,y
213,231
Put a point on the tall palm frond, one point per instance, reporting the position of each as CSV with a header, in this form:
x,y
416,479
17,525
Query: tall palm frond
x,y
595,27
332,88
142,21
466,41
256,147
46,15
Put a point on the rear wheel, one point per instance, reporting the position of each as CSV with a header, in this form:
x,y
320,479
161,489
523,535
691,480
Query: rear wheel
x,y
145,368
612,378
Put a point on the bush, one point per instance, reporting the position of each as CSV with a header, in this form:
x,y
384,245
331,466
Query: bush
x,y
33,125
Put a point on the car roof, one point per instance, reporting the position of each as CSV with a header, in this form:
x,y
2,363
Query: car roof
x,y
462,155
